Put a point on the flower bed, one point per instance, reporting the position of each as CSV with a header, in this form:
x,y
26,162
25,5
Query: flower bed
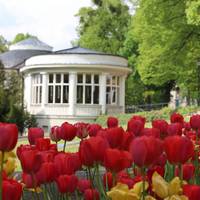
x,y
161,162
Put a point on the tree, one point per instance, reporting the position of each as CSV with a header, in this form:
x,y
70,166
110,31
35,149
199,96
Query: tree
x,y
3,44
168,45
21,36
103,27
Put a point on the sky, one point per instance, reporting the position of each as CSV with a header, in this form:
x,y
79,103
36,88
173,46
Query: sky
x,y
52,21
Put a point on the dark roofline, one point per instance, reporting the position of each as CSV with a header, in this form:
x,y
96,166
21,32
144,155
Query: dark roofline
x,y
92,53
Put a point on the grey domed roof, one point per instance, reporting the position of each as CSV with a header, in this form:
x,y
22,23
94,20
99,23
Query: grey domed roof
x,y
79,50
31,44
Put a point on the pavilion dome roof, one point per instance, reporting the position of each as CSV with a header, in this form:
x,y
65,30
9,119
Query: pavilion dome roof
x,y
31,43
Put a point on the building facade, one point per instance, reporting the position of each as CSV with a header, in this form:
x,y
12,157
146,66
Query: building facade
x,y
75,84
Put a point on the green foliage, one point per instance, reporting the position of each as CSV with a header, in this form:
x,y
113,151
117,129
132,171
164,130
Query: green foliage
x,y
3,44
192,12
20,117
168,45
21,36
164,113
103,27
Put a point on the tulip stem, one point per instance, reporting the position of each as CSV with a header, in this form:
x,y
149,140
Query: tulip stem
x,y
64,145
1,176
181,173
35,186
143,183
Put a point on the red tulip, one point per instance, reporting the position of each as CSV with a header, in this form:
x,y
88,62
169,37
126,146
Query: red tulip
x,y
48,156
116,160
67,163
91,194
9,136
195,122
146,150
12,190
93,129
179,149
46,173
188,171
34,133
83,184
192,191
138,117
67,132
127,139
31,161
174,129
108,180
42,144
186,126
176,118
151,132
22,148
27,179
67,183
135,126
55,133
82,131
162,125
92,150
112,122
115,136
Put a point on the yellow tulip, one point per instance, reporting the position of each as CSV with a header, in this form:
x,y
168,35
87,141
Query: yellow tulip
x,y
9,165
175,186
177,197
148,197
137,188
119,192
160,186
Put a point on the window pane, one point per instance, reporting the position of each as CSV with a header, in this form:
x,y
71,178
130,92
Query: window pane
x,y
88,92
113,95
36,96
58,94
96,79
79,94
88,78
65,94
58,78
117,80
96,95
50,78
50,94
114,81
66,78
80,78
118,96
40,78
40,100
108,81
108,95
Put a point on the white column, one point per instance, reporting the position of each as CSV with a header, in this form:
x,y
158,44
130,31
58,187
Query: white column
x,y
72,93
44,88
122,92
27,91
102,95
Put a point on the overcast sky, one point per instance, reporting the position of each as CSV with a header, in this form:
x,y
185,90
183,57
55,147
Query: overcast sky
x,y
52,21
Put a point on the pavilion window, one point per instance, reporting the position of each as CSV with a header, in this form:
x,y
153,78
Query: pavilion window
x,y
37,89
58,88
88,89
112,90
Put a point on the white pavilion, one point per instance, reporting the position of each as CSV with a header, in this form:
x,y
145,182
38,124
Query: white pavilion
x,y
75,84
